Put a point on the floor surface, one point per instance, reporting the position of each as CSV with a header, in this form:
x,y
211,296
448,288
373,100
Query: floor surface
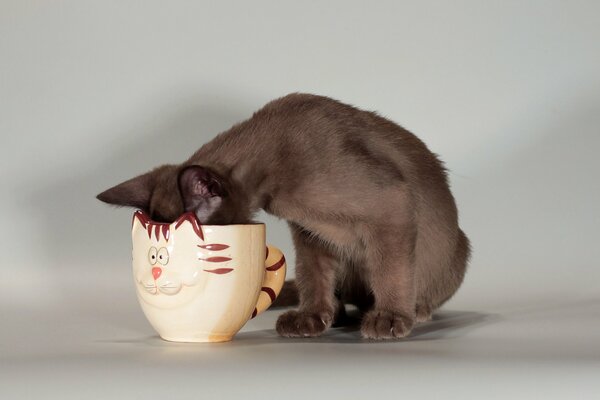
x,y
501,353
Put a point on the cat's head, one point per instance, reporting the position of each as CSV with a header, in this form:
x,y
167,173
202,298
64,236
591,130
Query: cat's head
x,y
168,191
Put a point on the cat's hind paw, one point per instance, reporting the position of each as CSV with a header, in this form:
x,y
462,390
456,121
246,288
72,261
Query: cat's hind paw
x,y
423,314
381,324
302,324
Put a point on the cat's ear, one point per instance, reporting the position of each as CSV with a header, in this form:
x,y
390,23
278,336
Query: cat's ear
x,y
135,192
202,191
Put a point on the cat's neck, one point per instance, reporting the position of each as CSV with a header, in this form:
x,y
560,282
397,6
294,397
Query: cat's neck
x,y
243,155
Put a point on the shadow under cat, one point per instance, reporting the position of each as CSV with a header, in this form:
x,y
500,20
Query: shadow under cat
x,y
444,325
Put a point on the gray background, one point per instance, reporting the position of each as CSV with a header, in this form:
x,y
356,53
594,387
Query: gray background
x,y
508,93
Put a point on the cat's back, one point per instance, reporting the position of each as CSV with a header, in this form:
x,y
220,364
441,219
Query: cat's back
x,y
359,155
305,114
295,104
325,127
330,141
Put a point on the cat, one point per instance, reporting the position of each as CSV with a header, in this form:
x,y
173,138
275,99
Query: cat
x,y
371,214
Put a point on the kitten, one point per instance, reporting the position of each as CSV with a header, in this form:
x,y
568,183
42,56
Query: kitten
x,y
372,217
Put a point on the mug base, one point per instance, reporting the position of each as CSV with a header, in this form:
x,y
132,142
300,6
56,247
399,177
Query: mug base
x,y
209,338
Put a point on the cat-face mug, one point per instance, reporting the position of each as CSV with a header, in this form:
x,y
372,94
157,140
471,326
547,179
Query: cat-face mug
x,y
202,283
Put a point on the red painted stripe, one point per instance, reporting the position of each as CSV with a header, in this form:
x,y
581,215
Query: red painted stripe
x,y
215,259
254,313
219,271
270,292
152,226
142,217
277,265
213,246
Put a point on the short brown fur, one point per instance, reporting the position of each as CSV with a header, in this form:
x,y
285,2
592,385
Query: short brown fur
x,y
372,217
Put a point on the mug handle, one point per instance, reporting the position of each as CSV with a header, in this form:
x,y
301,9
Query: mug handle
x,y
275,266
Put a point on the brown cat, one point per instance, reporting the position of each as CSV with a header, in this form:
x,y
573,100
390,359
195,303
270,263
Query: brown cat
x,y
371,214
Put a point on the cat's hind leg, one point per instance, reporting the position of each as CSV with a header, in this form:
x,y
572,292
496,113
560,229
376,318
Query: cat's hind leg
x,y
390,272
316,269
446,283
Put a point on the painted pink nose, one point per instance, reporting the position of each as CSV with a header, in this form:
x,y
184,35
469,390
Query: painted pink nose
x,y
156,271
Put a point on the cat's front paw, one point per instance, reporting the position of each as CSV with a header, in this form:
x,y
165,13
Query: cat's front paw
x,y
303,324
381,324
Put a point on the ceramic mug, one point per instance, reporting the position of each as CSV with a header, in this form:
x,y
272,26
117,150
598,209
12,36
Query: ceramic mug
x,y
202,283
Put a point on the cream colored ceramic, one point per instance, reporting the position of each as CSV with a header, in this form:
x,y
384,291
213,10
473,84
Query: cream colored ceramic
x,y
203,283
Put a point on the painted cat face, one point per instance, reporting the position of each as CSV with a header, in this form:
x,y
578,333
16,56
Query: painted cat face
x,y
163,270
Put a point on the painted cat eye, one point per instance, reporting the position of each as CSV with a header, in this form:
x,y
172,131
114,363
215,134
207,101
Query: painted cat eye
x,y
152,255
163,256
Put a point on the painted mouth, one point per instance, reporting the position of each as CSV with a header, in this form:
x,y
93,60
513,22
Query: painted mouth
x,y
162,289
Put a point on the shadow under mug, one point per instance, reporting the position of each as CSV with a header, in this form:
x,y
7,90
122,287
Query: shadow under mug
x,y
202,283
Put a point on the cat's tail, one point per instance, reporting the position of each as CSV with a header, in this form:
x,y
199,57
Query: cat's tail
x,y
288,295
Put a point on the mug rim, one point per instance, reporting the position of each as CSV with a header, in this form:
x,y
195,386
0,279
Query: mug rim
x,y
192,215
221,226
